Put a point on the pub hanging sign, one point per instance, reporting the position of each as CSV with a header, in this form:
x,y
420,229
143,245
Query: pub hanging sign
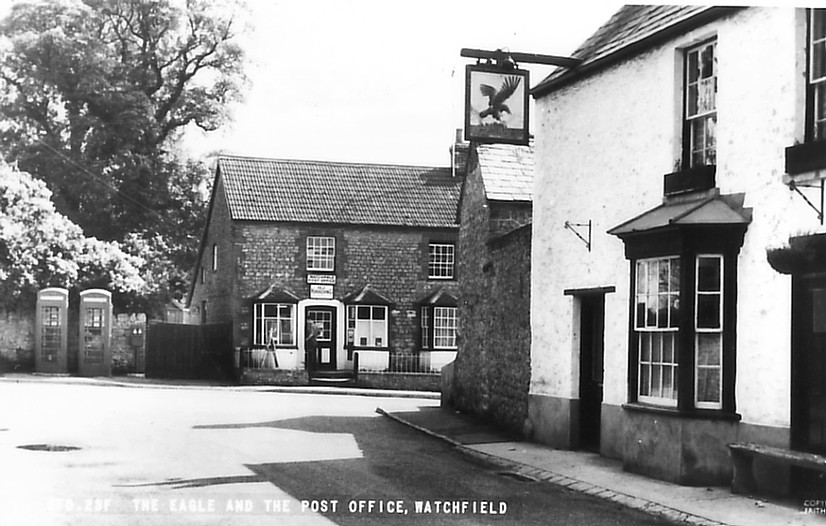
x,y
496,104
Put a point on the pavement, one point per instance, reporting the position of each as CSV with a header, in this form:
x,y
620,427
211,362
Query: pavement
x,y
578,471
604,478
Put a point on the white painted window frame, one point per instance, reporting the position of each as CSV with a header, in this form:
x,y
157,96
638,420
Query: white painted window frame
x,y
706,116
708,330
321,253
646,330
260,324
441,260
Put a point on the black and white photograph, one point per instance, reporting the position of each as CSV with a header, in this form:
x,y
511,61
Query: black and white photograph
x,y
412,263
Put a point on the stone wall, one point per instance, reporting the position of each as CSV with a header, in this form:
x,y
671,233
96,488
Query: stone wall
x,y
491,374
17,341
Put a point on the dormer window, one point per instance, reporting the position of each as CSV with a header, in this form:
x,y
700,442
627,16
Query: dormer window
x,y
700,126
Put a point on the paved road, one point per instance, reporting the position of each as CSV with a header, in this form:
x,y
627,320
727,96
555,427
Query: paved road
x,y
198,456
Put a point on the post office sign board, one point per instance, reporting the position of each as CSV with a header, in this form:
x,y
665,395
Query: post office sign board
x,y
321,279
321,292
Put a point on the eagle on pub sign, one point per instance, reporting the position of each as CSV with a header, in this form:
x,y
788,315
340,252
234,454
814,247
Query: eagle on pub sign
x,y
496,104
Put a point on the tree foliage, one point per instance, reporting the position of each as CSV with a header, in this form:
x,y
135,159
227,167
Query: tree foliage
x,y
40,247
94,97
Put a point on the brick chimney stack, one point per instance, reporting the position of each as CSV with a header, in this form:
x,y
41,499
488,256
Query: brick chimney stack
x,y
459,154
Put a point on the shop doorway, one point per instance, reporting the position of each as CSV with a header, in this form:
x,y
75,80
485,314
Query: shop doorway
x,y
325,319
808,425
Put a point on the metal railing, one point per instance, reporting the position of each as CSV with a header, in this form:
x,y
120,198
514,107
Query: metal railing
x,y
424,362
258,359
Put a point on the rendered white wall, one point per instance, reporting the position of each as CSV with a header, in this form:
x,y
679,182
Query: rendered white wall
x,y
602,148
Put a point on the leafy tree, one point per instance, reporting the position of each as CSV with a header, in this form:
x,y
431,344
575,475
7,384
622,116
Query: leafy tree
x,y
94,97
40,247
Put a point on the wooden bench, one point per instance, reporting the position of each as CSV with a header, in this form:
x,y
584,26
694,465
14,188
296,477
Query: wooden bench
x,y
743,455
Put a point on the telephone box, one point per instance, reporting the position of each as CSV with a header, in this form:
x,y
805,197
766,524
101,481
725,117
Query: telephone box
x,y
51,331
95,352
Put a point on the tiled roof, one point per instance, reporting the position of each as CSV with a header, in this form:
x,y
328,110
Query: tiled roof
x,y
507,171
628,28
330,192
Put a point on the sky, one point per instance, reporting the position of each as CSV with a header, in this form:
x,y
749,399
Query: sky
x,y
379,81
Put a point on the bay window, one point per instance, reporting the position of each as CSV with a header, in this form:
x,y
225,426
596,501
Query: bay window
x,y
368,325
274,322
682,330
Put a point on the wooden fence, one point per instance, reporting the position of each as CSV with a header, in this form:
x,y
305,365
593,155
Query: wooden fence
x,y
202,352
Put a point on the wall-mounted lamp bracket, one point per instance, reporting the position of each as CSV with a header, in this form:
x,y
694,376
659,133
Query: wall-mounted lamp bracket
x,y
822,186
575,227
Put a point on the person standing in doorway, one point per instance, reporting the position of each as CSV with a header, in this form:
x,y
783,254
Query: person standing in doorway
x,y
311,345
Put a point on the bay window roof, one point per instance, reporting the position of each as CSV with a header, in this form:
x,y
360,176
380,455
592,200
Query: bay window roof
x,y
707,209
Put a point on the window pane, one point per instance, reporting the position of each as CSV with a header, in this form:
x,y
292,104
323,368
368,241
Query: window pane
x,y
657,347
645,380
642,269
820,109
708,385
675,275
379,313
662,311
668,381
286,336
709,349
651,311
708,274
270,310
364,313
645,347
818,24
656,385
668,347
708,311
693,69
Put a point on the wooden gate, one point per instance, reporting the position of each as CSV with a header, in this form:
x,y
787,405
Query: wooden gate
x,y
202,352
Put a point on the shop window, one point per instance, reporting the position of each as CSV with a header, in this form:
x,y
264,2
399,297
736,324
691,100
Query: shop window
x,y
274,322
700,126
368,325
321,253
440,261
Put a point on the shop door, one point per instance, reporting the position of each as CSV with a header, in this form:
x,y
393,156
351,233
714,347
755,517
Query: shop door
x,y
325,318
591,354
809,364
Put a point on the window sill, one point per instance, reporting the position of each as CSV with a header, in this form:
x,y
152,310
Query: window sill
x,y
694,179
806,157
704,414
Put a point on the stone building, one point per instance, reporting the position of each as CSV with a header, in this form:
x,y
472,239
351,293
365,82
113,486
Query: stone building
x,y
365,252
491,374
670,334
